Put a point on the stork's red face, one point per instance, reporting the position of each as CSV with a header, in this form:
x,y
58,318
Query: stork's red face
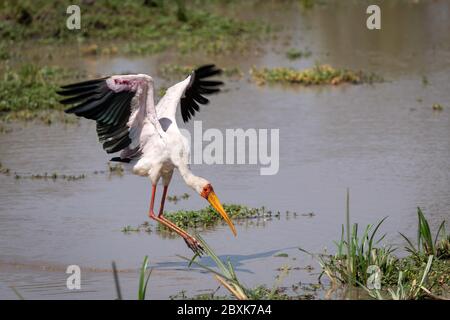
x,y
208,194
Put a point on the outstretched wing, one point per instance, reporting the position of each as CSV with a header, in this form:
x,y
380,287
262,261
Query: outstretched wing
x,y
196,88
119,105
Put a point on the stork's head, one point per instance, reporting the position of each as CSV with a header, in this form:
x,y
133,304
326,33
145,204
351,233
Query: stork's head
x,y
205,190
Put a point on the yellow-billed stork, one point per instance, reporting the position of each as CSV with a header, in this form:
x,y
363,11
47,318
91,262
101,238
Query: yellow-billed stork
x,y
147,136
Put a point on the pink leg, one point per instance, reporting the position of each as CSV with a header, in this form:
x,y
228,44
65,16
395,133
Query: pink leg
x,y
190,240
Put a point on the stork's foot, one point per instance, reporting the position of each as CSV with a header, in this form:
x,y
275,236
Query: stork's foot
x,y
194,245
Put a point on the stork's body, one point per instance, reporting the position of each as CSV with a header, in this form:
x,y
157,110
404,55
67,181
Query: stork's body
x,y
148,136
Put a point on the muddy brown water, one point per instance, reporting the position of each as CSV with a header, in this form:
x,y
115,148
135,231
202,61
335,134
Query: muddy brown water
x,y
383,141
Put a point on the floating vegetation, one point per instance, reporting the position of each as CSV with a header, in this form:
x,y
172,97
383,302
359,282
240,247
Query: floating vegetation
x,y
176,198
3,170
115,169
47,176
425,81
309,214
208,216
318,75
58,176
172,70
293,54
437,107
143,227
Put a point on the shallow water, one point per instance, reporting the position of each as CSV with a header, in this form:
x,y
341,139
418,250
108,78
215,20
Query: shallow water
x,y
390,149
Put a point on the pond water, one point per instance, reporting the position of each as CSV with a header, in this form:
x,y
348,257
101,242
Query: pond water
x,y
382,141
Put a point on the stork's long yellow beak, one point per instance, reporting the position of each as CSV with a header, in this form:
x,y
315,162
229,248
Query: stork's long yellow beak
x,y
215,202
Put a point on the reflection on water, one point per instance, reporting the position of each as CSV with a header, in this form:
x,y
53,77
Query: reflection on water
x,y
382,141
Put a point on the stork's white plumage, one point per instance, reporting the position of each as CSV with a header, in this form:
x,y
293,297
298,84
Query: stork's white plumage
x,y
148,136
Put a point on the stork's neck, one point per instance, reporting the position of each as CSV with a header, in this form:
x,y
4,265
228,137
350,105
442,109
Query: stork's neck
x,y
188,176
193,181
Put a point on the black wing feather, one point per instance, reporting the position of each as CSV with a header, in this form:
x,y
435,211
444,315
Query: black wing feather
x,y
196,88
109,109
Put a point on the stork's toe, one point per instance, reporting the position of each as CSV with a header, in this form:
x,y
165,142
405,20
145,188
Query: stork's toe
x,y
194,245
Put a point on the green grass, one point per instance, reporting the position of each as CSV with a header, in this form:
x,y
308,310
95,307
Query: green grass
x,y
144,276
405,290
437,245
166,25
30,92
317,75
351,268
424,273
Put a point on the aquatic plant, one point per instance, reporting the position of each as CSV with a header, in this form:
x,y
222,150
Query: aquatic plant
x,y
225,274
427,244
437,107
405,289
143,279
176,198
208,217
412,277
144,227
317,75
46,176
115,169
3,170
351,268
294,53
356,253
